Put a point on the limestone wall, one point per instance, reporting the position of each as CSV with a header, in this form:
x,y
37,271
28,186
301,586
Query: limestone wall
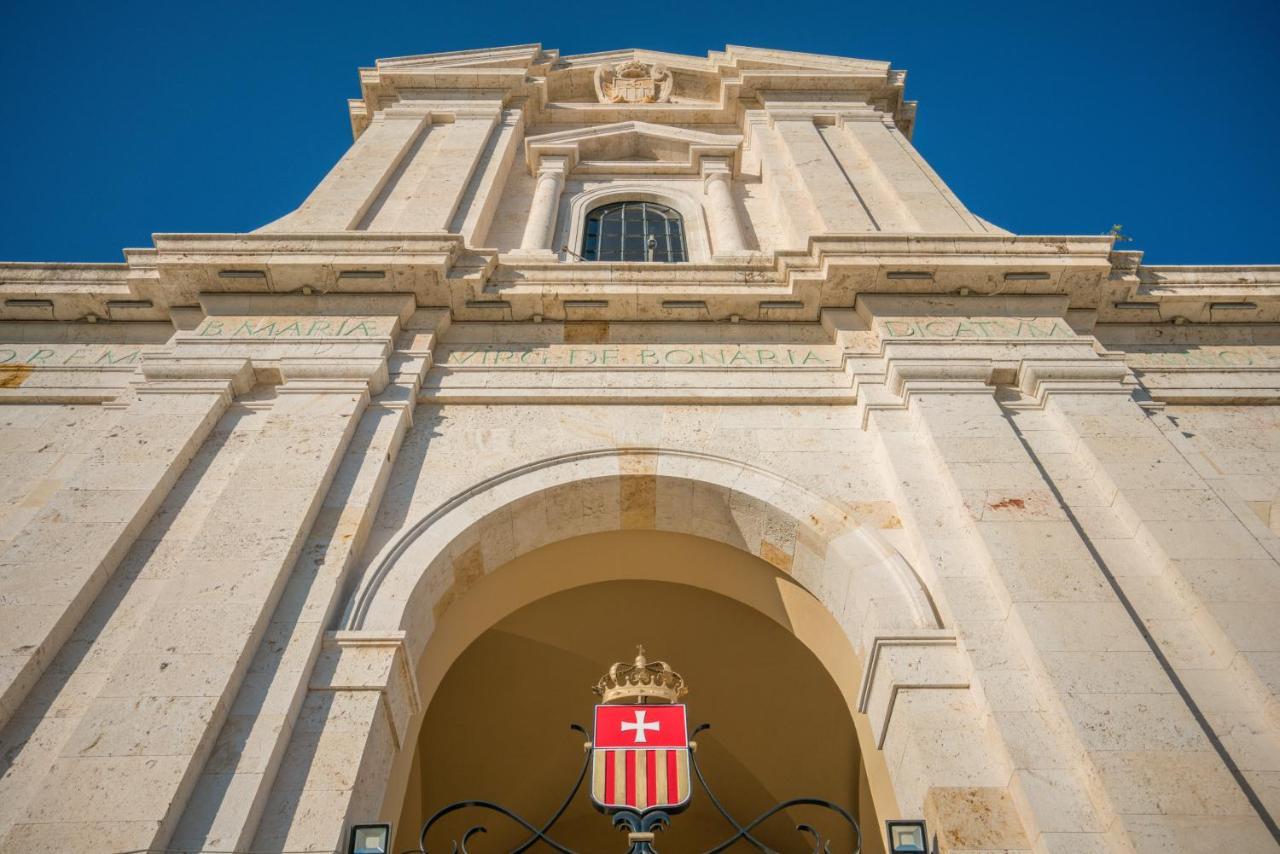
x,y
1097,639
250,484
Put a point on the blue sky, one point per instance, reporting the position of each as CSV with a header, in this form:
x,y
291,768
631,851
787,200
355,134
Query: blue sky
x,y
129,118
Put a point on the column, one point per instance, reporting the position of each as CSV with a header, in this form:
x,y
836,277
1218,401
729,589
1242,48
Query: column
x,y
540,228
55,568
726,229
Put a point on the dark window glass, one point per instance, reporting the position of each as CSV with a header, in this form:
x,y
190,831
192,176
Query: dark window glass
x,y
634,231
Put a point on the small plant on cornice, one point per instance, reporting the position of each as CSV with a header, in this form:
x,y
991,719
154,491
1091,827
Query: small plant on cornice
x,y
1118,234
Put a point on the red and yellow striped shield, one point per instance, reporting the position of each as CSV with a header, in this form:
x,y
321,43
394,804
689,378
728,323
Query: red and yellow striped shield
x,y
640,758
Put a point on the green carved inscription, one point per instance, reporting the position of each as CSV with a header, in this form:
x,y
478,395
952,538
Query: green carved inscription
x,y
977,327
635,356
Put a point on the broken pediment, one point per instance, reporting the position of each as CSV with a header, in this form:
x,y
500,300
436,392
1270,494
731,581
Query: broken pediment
x,y
630,147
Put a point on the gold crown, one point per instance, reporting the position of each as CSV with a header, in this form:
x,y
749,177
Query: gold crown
x,y
642,681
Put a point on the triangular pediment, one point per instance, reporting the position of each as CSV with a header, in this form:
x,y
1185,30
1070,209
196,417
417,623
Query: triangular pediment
x,y
622,146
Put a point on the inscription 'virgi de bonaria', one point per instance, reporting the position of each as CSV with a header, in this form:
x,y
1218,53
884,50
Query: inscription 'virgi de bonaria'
x,y
625,356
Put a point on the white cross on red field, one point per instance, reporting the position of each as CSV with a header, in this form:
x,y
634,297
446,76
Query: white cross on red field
x,y
640,727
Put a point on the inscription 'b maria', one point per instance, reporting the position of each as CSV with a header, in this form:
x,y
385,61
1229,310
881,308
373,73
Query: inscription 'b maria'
x,y
289,327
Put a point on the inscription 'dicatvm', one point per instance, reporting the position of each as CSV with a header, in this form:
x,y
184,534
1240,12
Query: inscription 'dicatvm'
x,y
977,327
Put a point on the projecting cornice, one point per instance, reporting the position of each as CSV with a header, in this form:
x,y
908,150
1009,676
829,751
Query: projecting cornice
x,y
169,281
555,89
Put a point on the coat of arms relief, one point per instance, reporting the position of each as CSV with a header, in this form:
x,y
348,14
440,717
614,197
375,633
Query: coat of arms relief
x,y
633,82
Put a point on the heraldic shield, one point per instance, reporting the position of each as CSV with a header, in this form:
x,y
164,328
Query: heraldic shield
x,y
640,758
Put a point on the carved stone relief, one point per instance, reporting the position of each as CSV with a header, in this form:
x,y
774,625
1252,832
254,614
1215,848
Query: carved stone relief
x,y
633,82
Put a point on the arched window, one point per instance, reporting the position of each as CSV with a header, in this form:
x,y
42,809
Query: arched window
x,y
634,231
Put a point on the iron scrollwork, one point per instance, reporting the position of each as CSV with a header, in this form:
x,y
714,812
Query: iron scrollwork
x,y
642,827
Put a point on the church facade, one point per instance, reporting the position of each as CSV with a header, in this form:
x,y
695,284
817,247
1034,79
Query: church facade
x,y
338,521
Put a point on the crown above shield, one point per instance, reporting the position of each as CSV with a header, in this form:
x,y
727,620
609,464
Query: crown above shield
x,y
643,681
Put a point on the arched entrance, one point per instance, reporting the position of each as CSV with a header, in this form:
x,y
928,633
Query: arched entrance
x,y
782,725
832,581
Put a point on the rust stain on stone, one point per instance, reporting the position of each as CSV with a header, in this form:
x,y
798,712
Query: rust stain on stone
x,y
586,332
775,556
1010,504
14,377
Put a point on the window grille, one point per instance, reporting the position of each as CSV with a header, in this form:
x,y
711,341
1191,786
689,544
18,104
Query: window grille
x,y
634,231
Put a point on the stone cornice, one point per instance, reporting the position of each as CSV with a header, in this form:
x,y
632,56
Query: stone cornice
x,y
437,270
548,85
589,149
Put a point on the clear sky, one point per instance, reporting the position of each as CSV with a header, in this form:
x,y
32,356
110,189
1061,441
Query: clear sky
x,y
128,118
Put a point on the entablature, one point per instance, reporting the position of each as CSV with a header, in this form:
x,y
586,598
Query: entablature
x,y
485,285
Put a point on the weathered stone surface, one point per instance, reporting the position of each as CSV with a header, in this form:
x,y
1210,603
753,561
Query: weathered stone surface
x,y
1032,484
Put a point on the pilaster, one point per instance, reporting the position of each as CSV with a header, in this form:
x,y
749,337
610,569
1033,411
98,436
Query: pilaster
x,y
795,209
489,183
346,194
899,187
155,721
836,201
1078,697
250,759
426,196
58,563
357,715
1199,580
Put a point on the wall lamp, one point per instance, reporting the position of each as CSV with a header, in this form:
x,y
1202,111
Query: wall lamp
x,y
371,839
907,837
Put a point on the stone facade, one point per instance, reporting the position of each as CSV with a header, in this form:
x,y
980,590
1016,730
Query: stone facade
x,y
246,476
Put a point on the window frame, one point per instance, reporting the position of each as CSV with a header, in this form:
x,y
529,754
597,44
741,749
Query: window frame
x,y
579,202
632,223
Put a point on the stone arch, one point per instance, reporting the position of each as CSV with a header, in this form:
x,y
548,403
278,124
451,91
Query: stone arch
x,y
688,205
850,598
850,568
